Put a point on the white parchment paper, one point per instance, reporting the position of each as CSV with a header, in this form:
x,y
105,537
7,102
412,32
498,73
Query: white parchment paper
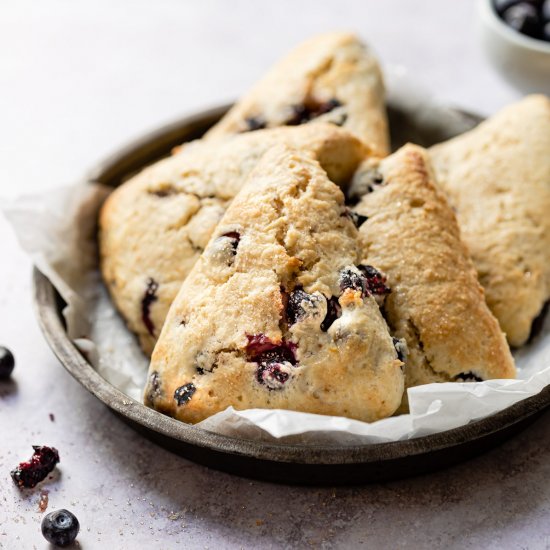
x,y
58,228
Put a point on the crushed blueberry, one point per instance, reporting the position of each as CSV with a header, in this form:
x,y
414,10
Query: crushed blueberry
x,y
352,279
375,281
60,527
275,360
311,109
294,309
184,393
355,217
7,362
33,471
254,123
153,389
273,375
334,311
146,302
401,348
467,377
234,237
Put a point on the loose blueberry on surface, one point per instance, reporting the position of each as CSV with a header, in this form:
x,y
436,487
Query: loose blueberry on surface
x,y
33,471
60,527
375,282
334,311
524,18
467,377
184,393
7,362
149,298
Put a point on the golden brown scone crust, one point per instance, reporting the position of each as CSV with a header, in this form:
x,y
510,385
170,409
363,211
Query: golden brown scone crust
x,y
436,302
306,82
231,337
497,176
154,227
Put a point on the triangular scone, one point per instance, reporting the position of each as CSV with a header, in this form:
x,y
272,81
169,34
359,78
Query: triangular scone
x,y
497,177
278,312
154,227
436,304
331,77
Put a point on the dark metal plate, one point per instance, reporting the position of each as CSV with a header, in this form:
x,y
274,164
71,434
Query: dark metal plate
x,y
312,465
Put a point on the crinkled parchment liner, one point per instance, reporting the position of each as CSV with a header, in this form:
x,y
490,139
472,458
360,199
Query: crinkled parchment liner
x,y
58,230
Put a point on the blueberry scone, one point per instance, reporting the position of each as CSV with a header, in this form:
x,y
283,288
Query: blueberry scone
x,y
154,227
279,312
333,77
436,304
497,177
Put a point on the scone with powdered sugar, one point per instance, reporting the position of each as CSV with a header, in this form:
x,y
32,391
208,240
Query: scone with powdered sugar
x,y
437,304
332,77
154,227
279,311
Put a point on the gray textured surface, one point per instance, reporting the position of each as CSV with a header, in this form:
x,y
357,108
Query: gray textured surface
x,y
77,80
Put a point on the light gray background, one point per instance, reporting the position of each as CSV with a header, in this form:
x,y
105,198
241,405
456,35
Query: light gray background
x,y
78,79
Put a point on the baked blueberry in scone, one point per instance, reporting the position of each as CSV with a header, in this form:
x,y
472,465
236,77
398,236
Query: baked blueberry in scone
x,y
497,177
332,77
279,311
154,227
436,303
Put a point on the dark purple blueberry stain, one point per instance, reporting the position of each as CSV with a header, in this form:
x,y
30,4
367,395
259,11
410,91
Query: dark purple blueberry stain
x,y
351,279
334,311
272,375
163,192
154,390
401,349
467,377
42,462
375,282
234,238
146,302
357,219
310,110
254,123
272,359
184,393
294,310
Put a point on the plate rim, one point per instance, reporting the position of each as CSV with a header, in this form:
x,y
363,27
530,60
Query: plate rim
x,y
50,320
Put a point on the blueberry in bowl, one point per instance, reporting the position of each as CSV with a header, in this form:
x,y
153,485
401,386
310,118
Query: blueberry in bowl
x,y
516,38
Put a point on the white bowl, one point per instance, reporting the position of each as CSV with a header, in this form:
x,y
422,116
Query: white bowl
x,y
523,61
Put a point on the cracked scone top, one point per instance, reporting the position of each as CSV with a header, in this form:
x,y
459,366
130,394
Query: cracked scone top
x,y
497,177
154,227
279,312
332,77
436,304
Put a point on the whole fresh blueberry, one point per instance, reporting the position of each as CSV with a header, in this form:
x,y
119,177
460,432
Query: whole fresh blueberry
x,y
7,362
545,10
524,18
60,527
546,31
